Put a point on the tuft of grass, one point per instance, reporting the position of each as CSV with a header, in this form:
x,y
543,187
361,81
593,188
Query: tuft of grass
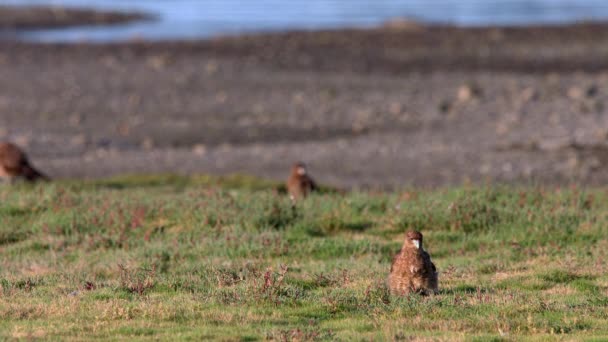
x,y
137,281
276,214
562,277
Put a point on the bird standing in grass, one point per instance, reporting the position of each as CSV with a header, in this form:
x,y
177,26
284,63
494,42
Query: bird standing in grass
x,y
14,165
412,270
299,183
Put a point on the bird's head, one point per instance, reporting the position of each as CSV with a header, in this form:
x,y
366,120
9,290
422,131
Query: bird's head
x,y
414,238
299,169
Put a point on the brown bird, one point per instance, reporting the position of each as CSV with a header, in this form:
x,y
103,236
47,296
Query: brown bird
x,y
14,165
412,270
299,183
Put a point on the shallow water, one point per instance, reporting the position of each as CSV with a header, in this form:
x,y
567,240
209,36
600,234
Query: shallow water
x,y
191,19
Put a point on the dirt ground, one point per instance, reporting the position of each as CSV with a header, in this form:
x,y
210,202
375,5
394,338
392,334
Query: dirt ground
x,y
383,108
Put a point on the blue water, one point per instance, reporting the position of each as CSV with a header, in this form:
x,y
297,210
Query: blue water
x,y
191,19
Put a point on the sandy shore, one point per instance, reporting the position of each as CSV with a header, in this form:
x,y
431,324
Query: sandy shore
x,y
425,106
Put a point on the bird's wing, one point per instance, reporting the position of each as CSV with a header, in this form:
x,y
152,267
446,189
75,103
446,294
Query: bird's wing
x,y
32,174
427,260
396,259
313,185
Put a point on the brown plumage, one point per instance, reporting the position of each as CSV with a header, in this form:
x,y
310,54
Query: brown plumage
x,y
14,164
299,183
412,270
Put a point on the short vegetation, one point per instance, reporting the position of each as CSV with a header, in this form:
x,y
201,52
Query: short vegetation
x,y
230,259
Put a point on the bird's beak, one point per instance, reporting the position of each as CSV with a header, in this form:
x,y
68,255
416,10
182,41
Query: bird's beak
x,y
416,243
301,171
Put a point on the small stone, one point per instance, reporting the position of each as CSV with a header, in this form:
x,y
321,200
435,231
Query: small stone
x,y
405,117
598,106
104,143
553,78
468,92
211,67
502,128
592,90
157,62
529,94
601,134
199,149
221,97
123,129
573,162
576,93
358,127
298,98
496,34
395,108
593,164
134,100
225,147
4,101
445,106
147,143
78,140
101,152
90,157
109,61
75,120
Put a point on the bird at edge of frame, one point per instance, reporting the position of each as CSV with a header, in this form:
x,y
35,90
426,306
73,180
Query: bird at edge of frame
x,y
15,165
412,270
299,184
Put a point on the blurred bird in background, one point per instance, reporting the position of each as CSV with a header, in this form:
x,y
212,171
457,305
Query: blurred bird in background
x,y
299,183
14,165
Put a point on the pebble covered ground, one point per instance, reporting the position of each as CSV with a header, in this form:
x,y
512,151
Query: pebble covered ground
x,y
390,107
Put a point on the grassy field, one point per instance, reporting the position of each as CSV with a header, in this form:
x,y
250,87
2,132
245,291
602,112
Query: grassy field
x,y
228,259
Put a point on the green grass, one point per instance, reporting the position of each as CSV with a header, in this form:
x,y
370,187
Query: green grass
x,y
228,258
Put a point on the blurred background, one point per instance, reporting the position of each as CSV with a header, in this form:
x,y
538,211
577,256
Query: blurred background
x,y
370,93
191,19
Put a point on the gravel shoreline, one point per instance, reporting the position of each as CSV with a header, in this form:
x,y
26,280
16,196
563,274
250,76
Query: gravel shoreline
x,y
382,108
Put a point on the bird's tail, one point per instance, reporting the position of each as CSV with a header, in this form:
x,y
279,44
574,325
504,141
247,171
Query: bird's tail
x,y
32,175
